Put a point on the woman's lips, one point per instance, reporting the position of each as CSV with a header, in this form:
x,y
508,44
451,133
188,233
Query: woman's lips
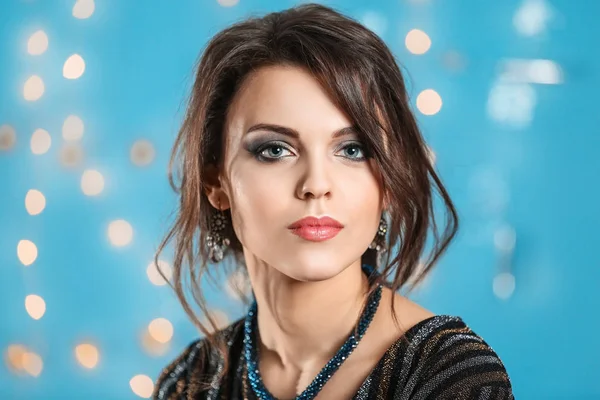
x,y
316,233
316,229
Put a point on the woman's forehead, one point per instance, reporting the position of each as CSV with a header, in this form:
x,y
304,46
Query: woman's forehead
x,y
286,96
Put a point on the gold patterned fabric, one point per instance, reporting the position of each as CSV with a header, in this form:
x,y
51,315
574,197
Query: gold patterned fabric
x,y
439,358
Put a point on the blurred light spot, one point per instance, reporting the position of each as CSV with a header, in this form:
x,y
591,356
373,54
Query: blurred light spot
x,y
71,155
545,72
74,67
35,306
15,355
161,330
35,202
531,18
32,363
40,141
429,102
512,104
8,137
505,238
142,153
87,355
142,386
72,128
153,274
504,285
92,182
152,346
120,233
238,285
37,43
219,318
375,22
227,3
83,9
27,252
417,41
34,88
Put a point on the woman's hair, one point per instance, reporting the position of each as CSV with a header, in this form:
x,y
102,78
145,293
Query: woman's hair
x,y
361,76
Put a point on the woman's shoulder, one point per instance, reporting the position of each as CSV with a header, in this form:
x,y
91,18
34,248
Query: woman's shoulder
x,y
442,357
198,362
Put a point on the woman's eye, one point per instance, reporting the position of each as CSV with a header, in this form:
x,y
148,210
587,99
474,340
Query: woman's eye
x,y
354,151
271,152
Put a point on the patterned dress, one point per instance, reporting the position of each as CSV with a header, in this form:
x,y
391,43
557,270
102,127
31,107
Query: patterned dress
x,y
438,358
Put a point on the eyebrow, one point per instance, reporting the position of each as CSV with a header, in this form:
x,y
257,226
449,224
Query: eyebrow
x,y
348,130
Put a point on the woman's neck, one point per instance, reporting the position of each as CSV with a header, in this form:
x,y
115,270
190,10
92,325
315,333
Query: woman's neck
x,y
304,323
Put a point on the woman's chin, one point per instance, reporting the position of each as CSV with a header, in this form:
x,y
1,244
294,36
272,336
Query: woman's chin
x,y
313,272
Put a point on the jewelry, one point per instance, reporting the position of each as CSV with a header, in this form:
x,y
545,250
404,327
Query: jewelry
x,y
216,241
379,242
251,348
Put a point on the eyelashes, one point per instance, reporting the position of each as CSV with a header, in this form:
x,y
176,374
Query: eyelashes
x,y
275,151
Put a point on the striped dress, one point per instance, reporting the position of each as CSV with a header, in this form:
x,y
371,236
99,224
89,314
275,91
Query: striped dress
x,y
439,358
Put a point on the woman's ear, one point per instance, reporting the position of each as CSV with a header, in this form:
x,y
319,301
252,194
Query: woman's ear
x,y
213,189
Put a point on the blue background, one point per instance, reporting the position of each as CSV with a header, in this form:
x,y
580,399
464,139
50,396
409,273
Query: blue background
x,y
536,176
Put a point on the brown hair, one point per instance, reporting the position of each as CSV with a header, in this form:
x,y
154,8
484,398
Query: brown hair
x,y
362,78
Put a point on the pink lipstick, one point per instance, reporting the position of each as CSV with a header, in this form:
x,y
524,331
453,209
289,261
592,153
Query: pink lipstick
x,y
316,229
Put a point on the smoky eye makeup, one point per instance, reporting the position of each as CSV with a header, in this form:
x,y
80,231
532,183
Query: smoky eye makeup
x,y
259,143
272,147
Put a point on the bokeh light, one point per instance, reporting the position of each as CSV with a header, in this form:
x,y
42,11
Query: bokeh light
x,y
27,252
34,88
92,182
71,155
161,330
142,386
8,137
87,355
40,142
32,364
35,202
429,102
227,3
417,41
72,129
83,9
35,306
37,43
155,277
14,357
504,285
142,153
120,233
74,67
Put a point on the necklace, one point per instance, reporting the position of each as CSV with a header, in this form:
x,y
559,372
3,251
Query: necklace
x,y
251,349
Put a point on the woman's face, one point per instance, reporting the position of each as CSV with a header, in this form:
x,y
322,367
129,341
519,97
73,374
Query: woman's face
x,y
271,180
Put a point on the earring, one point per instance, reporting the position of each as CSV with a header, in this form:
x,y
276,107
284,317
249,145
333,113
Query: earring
x,y
215,240
379,242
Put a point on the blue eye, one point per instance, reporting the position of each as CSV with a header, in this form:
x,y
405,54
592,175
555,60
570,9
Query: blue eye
x,y
275,151
270,152
356,147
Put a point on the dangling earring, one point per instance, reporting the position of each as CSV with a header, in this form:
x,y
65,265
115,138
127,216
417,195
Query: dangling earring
x,y
379,242
215,240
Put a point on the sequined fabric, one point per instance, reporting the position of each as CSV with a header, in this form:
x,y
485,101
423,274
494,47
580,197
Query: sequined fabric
x,y
439,358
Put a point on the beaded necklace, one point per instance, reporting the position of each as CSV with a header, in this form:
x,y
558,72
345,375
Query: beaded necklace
x,y
251,349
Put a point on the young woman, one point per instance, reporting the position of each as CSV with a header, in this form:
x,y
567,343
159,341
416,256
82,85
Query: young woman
x,y
299,160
